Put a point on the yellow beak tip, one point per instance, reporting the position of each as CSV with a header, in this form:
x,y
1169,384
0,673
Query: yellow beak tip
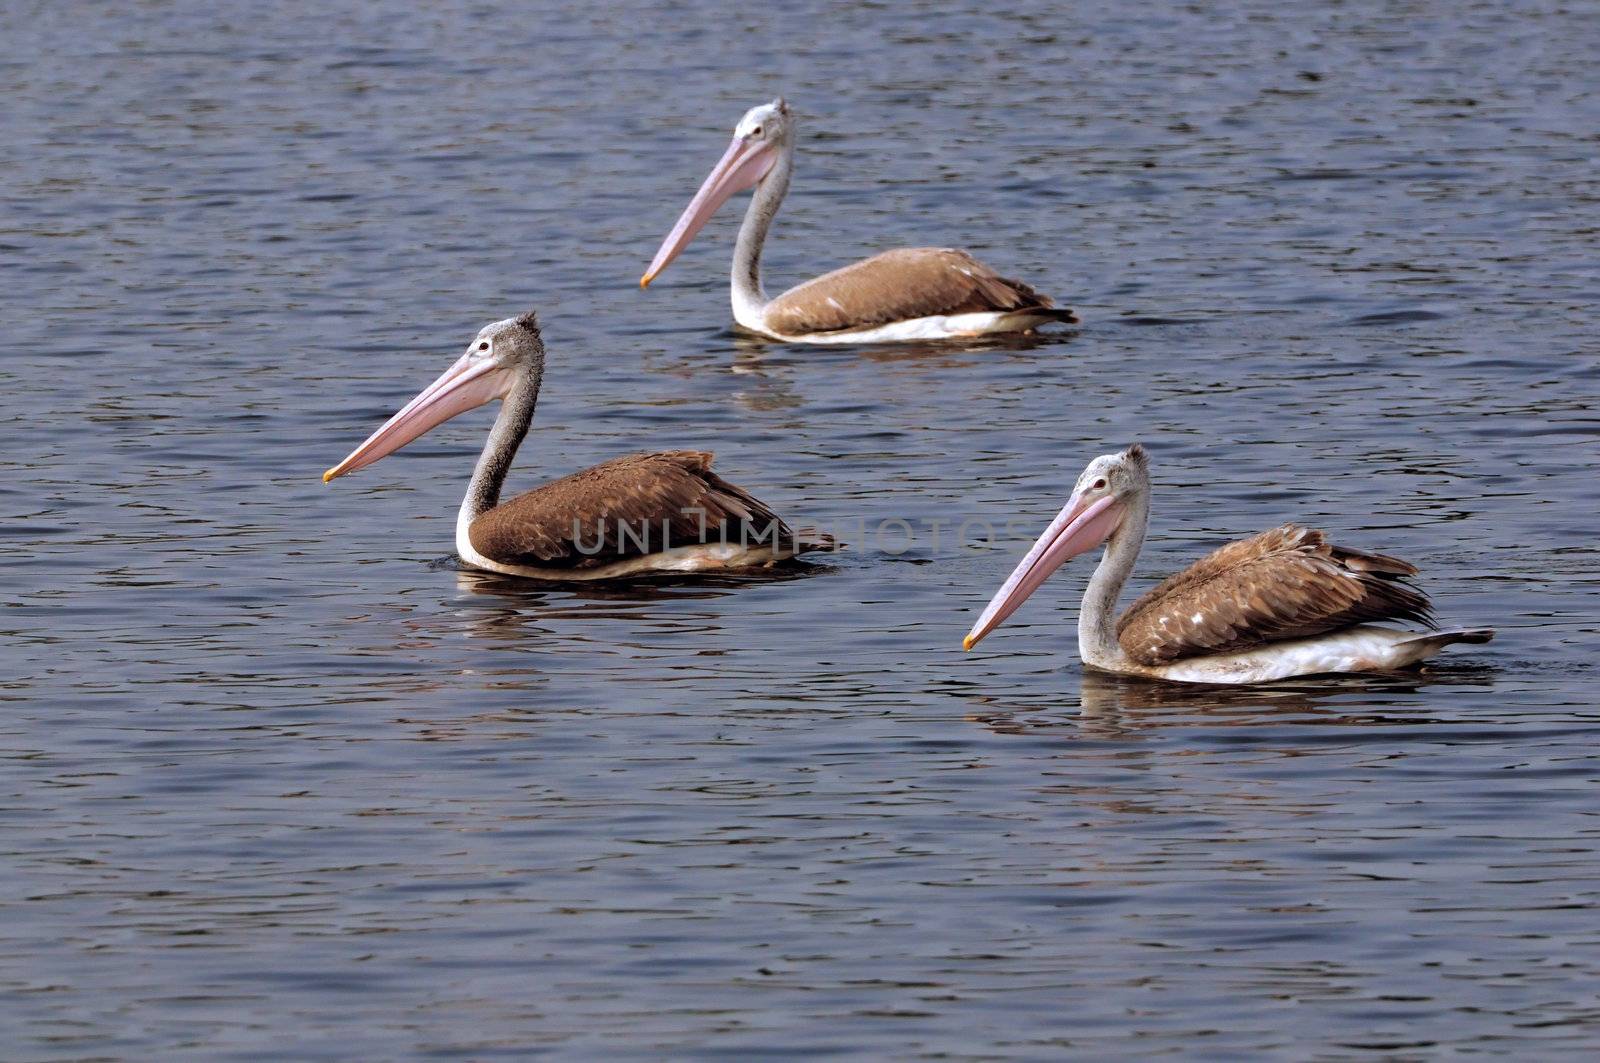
x,y
967,643
644,281
327,476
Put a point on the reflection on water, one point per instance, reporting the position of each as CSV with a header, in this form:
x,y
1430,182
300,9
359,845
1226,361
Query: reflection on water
x,y
513,607
276,785
1109,705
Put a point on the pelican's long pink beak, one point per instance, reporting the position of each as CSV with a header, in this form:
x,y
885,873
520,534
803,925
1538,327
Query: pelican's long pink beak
x,y
1079,527
464,386
742,166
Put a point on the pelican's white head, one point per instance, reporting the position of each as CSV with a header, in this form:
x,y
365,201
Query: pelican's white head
x,y
758,140
771,122
1100,500
498,356
1119,475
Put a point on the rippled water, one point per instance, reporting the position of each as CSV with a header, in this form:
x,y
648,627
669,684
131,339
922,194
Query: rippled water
x,y
279,780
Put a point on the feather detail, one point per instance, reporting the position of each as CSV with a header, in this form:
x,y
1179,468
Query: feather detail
x,y
628,507
1286,583
902,285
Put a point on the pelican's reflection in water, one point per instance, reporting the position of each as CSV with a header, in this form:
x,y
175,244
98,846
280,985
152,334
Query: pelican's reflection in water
x,y
941,353
758,354
767,378
1111,706
766,370
512,608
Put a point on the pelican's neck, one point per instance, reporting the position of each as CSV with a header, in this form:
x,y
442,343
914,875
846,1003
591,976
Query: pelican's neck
x,y
749,297
1097,623
516,414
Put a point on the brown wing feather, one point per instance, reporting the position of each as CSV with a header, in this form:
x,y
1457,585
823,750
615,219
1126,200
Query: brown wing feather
x,y
900,285
626,507
1285,583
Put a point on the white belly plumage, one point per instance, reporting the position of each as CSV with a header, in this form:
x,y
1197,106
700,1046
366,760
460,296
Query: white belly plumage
x,y
1357,649
702,557
938,327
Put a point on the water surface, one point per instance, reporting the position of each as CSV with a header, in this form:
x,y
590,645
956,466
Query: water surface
x,y
280,781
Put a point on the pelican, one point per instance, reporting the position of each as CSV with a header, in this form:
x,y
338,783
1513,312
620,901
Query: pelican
x,y
1282,603
661,512
914,293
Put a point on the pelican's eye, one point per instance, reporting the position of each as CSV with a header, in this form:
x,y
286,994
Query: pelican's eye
x,y
484,346
756,132
1099,485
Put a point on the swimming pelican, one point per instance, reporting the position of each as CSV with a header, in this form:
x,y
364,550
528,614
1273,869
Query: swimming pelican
x,y
661,512
914,293
1283,603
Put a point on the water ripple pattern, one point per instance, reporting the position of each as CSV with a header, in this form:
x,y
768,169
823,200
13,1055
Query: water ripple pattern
x,y
281,780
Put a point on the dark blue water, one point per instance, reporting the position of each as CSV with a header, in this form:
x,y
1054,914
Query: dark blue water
x,y
279,783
